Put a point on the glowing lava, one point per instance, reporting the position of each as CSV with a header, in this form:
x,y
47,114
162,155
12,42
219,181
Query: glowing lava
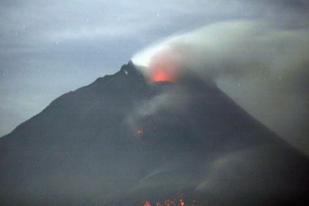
x,y
147,203
161,75
164,66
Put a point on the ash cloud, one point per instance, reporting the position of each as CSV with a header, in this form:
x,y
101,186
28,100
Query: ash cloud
x,y
262,66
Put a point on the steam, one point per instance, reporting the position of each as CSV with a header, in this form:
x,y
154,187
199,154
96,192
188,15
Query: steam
x,y
235,48
262,67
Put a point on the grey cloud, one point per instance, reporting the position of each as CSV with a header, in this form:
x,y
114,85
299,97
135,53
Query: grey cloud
x,y
262,66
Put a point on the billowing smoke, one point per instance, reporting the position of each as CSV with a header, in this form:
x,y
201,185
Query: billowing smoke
x,y
262,67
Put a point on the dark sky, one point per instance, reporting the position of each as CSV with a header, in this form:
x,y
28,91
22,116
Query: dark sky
x,y
48,48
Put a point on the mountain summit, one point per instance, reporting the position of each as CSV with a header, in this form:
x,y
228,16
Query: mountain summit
x,y
122,140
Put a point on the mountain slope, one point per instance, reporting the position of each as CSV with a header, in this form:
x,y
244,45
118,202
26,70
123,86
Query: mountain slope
x,y
123,139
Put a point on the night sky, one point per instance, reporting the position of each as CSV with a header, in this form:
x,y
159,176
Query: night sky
x,y
49,48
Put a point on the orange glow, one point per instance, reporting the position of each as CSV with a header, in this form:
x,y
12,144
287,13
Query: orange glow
x,y
147,203
164,66
160,75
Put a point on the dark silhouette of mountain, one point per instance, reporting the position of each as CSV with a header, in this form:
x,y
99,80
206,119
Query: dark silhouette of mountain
x,y
122,140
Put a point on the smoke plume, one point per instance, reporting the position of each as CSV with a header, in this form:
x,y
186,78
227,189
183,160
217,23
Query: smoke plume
x,y
264,68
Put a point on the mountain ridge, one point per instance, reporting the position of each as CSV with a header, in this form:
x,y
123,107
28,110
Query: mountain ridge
x,y
124,138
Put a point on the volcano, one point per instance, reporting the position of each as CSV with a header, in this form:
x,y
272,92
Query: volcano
x,y
123,140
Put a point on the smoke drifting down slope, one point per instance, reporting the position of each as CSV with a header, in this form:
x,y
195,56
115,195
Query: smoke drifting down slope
x,y
262,67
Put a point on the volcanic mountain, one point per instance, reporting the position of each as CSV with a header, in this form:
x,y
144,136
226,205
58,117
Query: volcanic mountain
x,y
123,140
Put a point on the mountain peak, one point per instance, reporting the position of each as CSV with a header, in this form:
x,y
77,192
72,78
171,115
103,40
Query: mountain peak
x,y
129,68
129,76
134,140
